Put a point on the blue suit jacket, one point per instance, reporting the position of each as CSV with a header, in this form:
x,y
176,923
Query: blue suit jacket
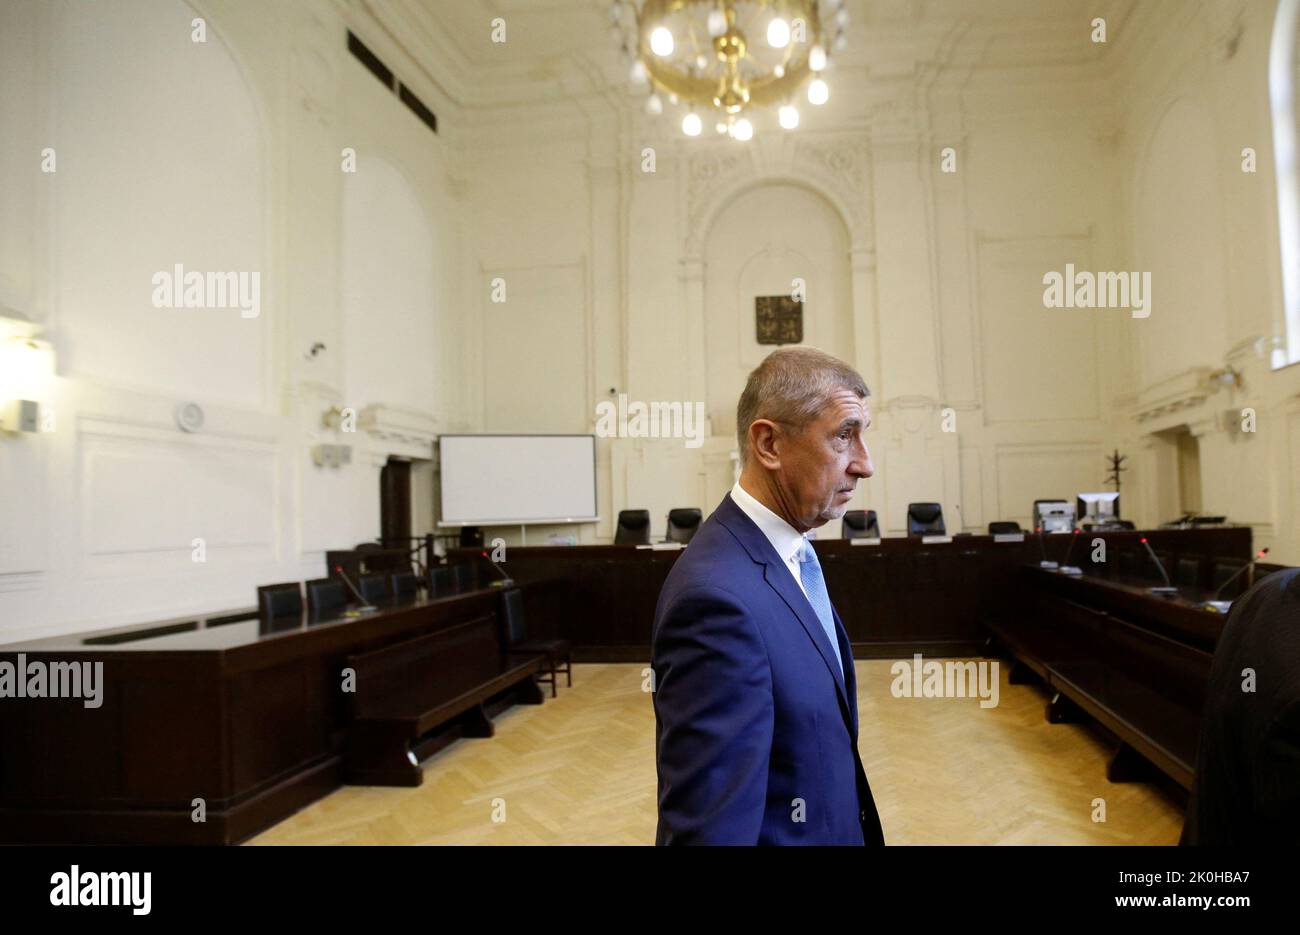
x,y
755,738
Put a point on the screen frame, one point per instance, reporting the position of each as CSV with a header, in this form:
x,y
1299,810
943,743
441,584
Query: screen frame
x,y
595,486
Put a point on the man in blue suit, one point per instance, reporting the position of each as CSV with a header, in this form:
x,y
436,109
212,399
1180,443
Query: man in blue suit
x,y
756,718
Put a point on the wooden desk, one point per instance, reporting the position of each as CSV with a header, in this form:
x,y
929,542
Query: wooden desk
x,y
1135,662
251,719
897,598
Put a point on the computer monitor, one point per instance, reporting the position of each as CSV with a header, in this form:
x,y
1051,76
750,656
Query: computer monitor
x,y
1054,515
1099,509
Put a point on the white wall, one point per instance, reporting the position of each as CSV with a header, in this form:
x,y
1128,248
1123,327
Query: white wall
x,y
1195,97
222,155
618,280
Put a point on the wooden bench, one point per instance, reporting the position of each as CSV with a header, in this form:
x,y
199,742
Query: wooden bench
x,y
1144,687
448,682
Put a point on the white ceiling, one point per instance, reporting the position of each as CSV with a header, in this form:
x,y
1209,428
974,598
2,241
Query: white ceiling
x,y
556,48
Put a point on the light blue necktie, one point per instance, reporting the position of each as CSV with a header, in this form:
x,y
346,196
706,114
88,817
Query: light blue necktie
x,y
810,573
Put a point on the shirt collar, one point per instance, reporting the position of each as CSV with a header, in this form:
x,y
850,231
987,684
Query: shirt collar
x,y
787,540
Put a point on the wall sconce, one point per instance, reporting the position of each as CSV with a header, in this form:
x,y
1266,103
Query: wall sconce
x,y
1227,377
26,373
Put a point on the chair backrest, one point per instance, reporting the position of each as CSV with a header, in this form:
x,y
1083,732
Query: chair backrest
x,y
403,586
374,588
279,600
1187,571
462,577
1001,527
633,528
682,523
860,524
326,597
440,584
513,627
925,519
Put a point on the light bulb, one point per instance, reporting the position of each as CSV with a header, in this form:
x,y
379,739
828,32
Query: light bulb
x,y
661,42
742,130
717,23
654,106
692,125
778,33
818,92
779,71
638,72
817,58
788,116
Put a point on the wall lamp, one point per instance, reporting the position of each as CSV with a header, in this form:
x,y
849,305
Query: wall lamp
x,y
26,373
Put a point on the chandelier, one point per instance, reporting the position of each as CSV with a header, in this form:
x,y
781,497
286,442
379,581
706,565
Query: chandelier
x,y
723,61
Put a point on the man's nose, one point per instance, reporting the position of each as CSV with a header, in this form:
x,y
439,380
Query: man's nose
x,y
861,466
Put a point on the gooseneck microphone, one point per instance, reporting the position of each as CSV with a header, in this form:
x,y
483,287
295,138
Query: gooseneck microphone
x,y
1066,567
1240,571
506,581
366,607
1168,590
1042,550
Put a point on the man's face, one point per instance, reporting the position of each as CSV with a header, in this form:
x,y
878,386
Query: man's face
x,y
821,465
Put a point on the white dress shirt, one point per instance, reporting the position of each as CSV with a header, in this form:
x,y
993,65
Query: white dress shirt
x,y
787,540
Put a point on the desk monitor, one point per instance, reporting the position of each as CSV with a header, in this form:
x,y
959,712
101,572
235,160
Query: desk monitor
x,y
1099,509
1054,515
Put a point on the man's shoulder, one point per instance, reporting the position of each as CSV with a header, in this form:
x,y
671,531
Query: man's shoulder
x,y
713,546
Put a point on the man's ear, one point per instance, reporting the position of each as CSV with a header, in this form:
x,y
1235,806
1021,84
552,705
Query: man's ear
x,y
763,439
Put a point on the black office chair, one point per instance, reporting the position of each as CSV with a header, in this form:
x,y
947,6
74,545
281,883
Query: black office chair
x,y
279,600
1126,524
374,589
404,587
1187,572
925,519
860,524
463,577
682,524
1003,527
633,528
326,597
440,583
558,652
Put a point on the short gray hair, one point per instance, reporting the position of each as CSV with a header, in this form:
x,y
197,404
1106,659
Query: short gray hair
x,y
791,386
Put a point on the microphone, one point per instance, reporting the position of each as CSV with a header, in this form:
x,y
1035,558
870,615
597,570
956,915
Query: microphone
x,y
961,523
1168,590
506,581
1066,567
1042,549
366,607
1214,602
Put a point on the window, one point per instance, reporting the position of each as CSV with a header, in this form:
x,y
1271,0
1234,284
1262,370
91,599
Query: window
x,y
1282,80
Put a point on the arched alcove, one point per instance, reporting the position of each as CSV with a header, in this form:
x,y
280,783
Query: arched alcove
x,y
160,162
759,242
1179,240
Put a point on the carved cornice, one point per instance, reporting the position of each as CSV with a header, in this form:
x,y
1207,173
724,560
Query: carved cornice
x,y
399,424
1177,394
837,168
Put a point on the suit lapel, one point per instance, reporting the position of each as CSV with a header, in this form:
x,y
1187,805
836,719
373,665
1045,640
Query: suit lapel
x,y
846,647
780,580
